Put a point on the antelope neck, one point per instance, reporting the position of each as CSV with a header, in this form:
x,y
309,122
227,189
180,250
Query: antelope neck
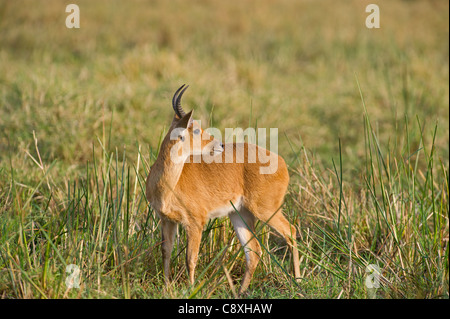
x,y
167,174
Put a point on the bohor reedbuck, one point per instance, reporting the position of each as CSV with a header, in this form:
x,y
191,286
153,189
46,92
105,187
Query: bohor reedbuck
x,y
182,190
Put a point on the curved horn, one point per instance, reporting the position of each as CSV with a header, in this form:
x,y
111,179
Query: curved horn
x,y
176,101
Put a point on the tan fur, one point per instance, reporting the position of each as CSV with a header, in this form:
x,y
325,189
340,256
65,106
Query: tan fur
x,y
187,192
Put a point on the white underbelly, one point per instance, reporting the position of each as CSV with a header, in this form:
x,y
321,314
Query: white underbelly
x,y
225,210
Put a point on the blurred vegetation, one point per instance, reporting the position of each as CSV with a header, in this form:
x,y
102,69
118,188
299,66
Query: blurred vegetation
x,y
289,64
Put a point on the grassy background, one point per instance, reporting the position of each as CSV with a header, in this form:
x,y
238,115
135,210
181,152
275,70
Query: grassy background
x,y
363,123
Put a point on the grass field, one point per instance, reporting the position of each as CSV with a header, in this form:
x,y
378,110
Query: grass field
x,y
363,121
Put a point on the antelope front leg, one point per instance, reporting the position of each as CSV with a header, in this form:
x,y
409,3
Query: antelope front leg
x,y
168,230
194,236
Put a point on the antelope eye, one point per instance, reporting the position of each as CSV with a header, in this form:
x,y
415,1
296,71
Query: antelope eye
x,y
181,137
196,131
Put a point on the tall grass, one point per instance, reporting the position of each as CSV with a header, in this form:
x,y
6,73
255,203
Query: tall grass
x,y
101,222
397,220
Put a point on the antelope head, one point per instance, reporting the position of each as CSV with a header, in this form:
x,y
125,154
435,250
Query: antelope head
x,y
186,135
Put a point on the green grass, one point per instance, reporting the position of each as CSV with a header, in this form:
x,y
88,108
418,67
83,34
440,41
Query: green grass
x,y
363,125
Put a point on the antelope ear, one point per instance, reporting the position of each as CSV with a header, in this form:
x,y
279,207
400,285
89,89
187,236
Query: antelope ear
x,y
186,120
